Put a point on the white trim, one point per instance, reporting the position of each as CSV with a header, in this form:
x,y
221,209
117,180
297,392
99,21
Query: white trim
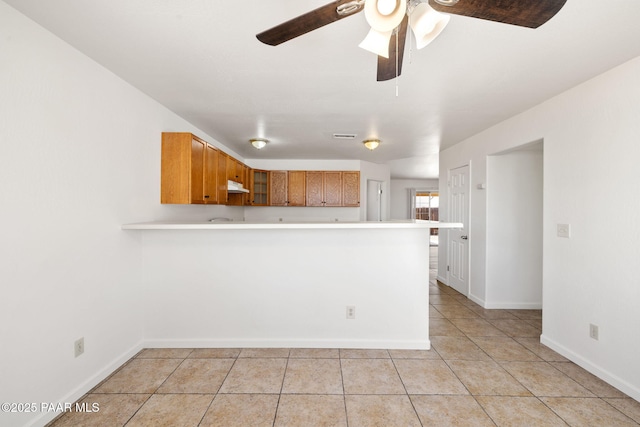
x,y
615,381
291,343
514,306
242,225
89,384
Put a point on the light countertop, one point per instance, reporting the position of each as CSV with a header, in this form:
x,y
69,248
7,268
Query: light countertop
x,y
243,225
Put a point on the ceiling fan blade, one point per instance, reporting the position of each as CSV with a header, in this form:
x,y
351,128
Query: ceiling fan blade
x,y
387,66
524,13
309,21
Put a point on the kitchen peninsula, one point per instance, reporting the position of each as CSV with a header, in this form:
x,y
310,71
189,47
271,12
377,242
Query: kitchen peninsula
x,y
286,284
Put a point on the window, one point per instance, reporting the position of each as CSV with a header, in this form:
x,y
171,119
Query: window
x,y
426,204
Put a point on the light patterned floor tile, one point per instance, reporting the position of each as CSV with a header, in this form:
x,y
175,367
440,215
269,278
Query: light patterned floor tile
x,y
487,378
313,376
587,412
508,411
311,410
254,375
160,410
458,348
381,411
140,376
542,379
450,411
197,376
589,381
241,410
505,349
428,377
112,410
370,376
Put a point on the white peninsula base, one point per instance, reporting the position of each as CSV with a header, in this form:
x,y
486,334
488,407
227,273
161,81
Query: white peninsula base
x,y
240,285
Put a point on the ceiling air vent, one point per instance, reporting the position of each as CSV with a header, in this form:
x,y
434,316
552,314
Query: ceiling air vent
x,y
344,136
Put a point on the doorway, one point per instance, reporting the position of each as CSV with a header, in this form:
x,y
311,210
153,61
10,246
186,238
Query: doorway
x,y
374,200
425,205
514,228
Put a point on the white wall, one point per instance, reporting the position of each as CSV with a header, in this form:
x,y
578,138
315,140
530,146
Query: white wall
x,y
375,172
401,197
591,149
514,229
79,156
257,288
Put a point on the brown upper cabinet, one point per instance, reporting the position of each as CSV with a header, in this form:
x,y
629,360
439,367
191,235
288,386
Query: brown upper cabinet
x,y
296,188
324,188
194,172
278,188
287,188
259,186
351,189
236,170
187,170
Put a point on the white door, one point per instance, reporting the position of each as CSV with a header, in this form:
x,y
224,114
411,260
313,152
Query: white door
x,y
458,265
374,200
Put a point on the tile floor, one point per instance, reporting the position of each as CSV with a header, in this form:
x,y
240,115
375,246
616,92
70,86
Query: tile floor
x,y
485,368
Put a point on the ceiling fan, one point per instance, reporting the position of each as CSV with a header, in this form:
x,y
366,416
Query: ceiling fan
x,y
389,20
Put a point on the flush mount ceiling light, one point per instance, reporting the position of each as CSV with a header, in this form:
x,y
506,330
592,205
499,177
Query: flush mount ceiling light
x,y
371,144
259,143
389,21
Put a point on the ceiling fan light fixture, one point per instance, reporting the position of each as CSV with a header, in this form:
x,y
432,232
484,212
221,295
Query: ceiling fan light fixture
x,y
427,24
379,17
447,2
377,42
259,143
371,144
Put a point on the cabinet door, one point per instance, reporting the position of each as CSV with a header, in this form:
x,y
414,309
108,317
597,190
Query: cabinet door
x,y
175,177
332,188
222,178
259,187
231,169
197,170
278,188
296,188
351,188
315,188
211,175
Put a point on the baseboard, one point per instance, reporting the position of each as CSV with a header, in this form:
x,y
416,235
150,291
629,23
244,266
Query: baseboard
x,y
617,382
85,387
442,280
477,300
293,343
514,306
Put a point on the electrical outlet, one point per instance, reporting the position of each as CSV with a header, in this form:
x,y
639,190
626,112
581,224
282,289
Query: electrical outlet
x,y
593,331
78,347
564,230
351,312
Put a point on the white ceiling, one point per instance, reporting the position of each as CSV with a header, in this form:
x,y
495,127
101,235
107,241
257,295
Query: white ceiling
x,y
200,58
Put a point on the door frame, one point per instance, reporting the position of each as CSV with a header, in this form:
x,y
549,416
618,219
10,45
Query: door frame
x,y
374,207
467,229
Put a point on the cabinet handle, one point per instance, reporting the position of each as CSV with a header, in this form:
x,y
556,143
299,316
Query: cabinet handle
x,y
206,197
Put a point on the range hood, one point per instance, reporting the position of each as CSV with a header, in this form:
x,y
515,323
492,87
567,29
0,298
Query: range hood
x,y
235,187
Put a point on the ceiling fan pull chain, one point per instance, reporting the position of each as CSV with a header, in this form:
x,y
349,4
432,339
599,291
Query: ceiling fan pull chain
x,y
397,58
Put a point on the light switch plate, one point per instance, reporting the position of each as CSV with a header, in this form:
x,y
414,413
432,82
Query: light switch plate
x,y
564,230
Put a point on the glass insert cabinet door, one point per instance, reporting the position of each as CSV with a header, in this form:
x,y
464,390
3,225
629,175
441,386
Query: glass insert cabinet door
x,y
259,188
